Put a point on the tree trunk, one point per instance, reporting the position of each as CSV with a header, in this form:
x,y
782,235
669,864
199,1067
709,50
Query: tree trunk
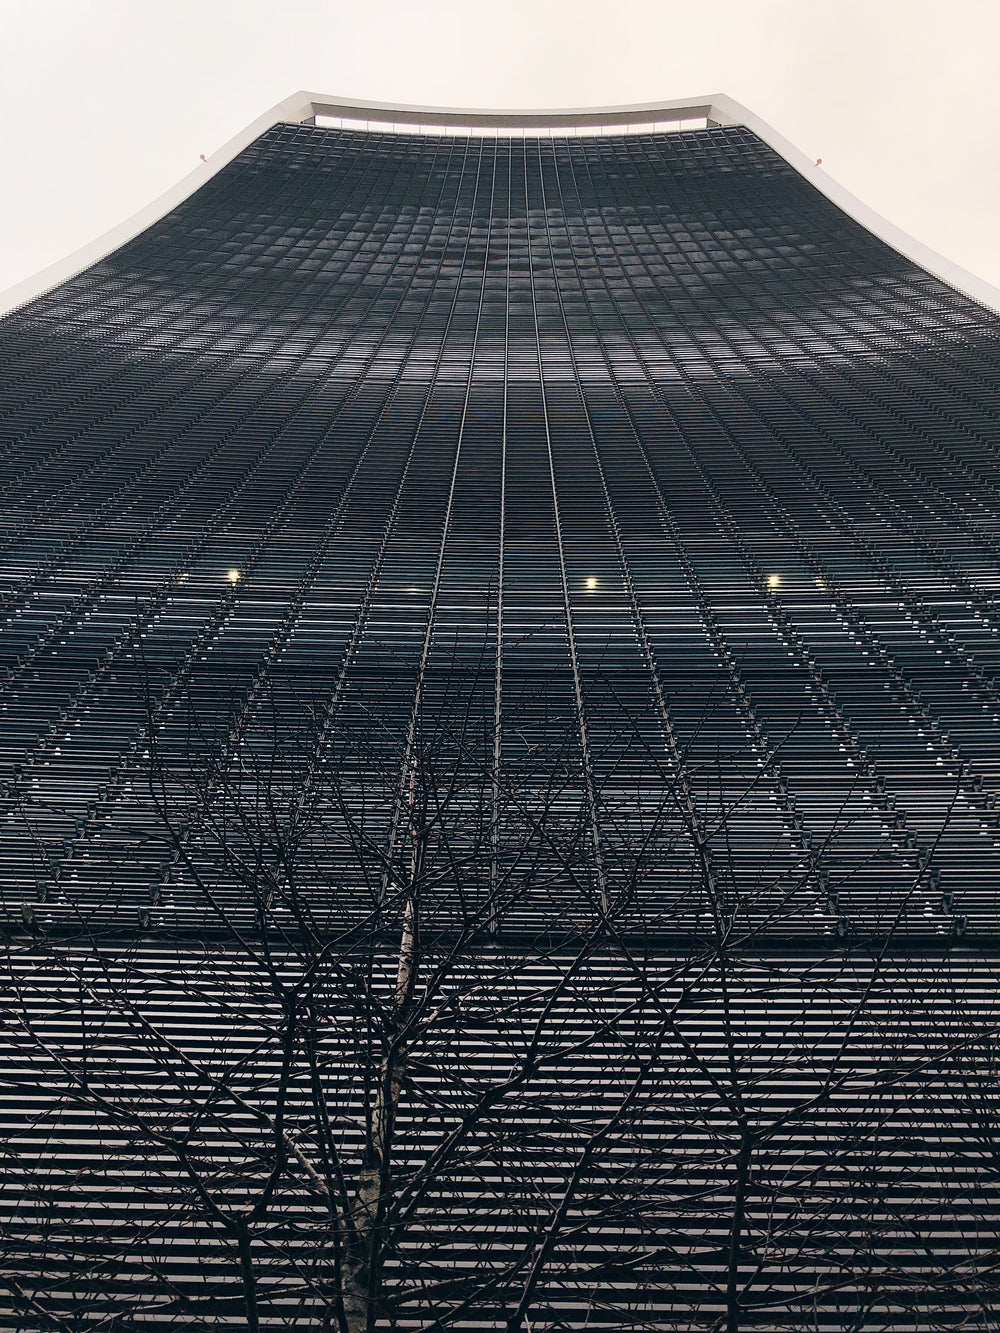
x,y
736,1233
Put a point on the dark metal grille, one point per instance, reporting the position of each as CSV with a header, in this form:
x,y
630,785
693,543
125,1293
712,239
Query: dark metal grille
x,y
620,486
564,409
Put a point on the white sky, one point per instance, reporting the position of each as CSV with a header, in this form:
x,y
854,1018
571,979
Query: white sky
x,y
106,103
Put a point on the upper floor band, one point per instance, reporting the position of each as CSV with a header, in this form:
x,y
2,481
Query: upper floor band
x,y
679,113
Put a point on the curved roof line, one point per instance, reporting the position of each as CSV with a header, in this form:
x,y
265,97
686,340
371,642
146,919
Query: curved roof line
x,y
303,107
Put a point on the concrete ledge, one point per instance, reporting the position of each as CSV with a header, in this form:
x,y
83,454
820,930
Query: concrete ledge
x,y
387,113
303,107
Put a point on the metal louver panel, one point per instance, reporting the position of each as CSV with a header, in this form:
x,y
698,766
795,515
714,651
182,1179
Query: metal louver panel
x,y
628,514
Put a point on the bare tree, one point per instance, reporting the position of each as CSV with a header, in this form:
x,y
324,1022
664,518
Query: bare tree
x,y
409,1039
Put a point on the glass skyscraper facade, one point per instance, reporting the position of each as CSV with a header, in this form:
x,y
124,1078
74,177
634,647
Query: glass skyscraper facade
x,y
633,512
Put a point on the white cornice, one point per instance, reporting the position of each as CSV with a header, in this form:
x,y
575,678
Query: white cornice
x,y
302,107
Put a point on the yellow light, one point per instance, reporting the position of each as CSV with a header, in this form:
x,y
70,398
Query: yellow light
x,y
591,583
773,580
233,576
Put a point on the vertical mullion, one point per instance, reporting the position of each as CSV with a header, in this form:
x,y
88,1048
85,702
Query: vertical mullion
x,y
417,705
498,680
684,798
588,776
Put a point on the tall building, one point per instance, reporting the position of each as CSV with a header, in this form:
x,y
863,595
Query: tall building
x,y
501,700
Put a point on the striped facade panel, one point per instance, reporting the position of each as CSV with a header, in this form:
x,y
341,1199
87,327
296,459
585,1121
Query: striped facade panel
x,y
519,613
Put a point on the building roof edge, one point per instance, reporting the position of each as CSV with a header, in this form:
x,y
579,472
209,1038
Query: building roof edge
x,y
301,107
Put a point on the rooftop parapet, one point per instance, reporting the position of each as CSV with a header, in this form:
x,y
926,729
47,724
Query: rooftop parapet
x,y
680,113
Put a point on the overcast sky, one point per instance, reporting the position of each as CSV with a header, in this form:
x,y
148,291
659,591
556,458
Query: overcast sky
x,y
106,103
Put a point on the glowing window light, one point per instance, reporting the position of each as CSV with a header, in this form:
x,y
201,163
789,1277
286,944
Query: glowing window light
x,y
591,582
233,575
773,580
